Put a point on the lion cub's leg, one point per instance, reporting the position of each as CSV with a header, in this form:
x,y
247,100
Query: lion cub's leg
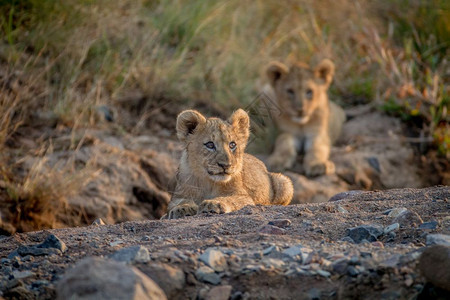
x,y
283,190
317,152
284,155
184,208
222,205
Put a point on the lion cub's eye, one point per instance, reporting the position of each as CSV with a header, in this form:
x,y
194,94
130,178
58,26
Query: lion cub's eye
x,y
232,145
309,93
210,146
290,93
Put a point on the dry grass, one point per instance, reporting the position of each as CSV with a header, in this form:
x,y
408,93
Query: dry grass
x,y
70,58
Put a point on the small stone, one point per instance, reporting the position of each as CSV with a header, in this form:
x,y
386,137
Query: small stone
x,y
22,274
429,225
341,209
215,259
135,254
222,292
269,250
408,219
340,266
206,274
293,251
391,262
98,222
282,223
145,238
438,239
391,228
395,212
434,264
352,271
344,195
348,239
51,245
273,263
115,243
364,232
377,244
270,229
323,273
97,278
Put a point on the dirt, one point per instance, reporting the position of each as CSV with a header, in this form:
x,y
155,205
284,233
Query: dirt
x,y
381,269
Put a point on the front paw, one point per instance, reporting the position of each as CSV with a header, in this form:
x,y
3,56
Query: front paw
x,y
213,206
278,164
183,210
319,168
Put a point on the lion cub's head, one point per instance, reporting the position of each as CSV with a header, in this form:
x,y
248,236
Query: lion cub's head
x,y
299,89
214,148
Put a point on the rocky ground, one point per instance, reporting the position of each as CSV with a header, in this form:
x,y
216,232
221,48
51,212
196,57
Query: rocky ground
x,y
368,245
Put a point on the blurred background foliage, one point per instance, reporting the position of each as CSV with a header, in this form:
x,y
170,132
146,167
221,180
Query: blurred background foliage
x,y
70,57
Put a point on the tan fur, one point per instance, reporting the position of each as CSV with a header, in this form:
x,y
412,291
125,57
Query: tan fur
x,y
308,121
221,180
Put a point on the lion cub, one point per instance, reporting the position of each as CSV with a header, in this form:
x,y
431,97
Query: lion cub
x,y
308,121
215,175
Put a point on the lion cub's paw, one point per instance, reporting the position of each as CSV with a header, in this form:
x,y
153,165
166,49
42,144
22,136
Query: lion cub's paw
x,y
320,168
278,164
213,206
183,210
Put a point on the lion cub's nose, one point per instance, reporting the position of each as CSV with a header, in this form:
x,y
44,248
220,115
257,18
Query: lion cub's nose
x,y
224,166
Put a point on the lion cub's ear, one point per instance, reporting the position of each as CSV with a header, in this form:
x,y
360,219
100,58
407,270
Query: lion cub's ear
x,y
240,120
325,71
187,122
275,71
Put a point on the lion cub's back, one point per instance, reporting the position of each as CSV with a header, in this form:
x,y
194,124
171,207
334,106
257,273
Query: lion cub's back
x,y
256,180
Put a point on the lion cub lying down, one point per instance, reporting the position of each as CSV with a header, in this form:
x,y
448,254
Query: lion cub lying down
x,y
308,121
215,175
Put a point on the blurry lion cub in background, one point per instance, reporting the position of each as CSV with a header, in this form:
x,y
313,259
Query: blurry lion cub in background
x,y
215,174
308,121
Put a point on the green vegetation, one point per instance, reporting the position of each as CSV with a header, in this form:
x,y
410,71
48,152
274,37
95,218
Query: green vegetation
x,y
68,58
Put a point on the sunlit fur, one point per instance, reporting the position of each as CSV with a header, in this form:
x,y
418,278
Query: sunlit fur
x,y
223,179
308,121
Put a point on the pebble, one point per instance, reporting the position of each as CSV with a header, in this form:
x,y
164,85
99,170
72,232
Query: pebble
x,y
343,195
270,229
206,274
98,222
135,254
269,250
391,228
408,219
341,209
215,259
222,292
323,273
22,274
429,225
51,245
273,262
340,266
282,223
395,212
364,232
434,264
438,239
